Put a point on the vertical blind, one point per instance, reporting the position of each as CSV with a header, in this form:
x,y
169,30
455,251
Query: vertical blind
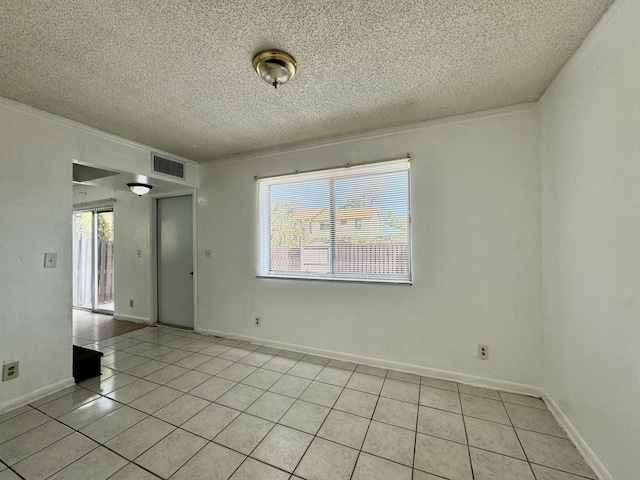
x,y
350,223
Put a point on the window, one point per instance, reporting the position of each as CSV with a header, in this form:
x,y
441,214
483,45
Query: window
x,y
360,218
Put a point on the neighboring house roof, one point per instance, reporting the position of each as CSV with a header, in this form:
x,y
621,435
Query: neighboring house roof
x,y
322,214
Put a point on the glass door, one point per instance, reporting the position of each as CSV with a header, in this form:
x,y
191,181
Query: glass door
x,y
93,286
83,260
104,262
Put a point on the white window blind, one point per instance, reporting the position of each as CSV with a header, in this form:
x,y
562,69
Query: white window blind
x,y
105,205
350,223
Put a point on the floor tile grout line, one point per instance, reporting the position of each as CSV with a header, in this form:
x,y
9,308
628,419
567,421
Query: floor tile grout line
x,y
365,433
324,365
415,439
8,467
466,436
103,444
244,411
59,440
517,436
293,428
216,374
262,366
270,430
204,438
181,466
563,471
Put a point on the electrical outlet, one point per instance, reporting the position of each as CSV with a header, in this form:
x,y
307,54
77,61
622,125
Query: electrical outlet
x,y
138,253
131,303
10,369
50,260
257,321
483,352
207,253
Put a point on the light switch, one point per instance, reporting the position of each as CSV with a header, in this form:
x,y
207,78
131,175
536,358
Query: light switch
x,y
50,260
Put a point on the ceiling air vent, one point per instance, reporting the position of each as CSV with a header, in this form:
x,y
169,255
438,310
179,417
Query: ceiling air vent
x,y
168,167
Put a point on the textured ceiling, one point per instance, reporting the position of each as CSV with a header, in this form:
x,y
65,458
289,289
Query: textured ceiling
x,y
177,75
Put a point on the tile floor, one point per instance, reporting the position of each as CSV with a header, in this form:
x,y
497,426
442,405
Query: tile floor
x,y
175,404
89,327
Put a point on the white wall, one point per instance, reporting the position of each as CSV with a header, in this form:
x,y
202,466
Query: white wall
x,y
35,217
36,154
476,247
591,240
132,228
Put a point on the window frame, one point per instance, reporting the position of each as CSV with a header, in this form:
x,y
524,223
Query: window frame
x,y
360,170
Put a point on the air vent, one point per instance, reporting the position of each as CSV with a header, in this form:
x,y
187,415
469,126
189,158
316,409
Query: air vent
x,y
168,167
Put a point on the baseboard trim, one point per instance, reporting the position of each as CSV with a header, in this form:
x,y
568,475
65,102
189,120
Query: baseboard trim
x,y
583,447
36,395
485,382
131,318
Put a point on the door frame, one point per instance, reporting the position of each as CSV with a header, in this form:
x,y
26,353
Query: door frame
x,y
154,252
95,307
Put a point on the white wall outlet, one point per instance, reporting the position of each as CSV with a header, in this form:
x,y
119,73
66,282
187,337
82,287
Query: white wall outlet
x,y
483,352
50,260
207,253
257,321
131,303
10,369
138,253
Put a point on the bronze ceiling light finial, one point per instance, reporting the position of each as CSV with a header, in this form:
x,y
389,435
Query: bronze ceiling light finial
x,y
275,66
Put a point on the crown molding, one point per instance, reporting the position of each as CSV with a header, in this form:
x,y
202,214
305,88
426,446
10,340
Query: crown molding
x,y
337,140
270,152
35,112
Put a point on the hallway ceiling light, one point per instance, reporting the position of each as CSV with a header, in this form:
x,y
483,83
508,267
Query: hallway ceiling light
x,y
139,188
275,66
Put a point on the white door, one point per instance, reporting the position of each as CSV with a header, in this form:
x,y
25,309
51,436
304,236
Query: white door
x,y
175,261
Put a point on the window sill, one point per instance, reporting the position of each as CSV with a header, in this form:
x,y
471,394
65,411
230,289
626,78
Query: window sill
x,y
402,283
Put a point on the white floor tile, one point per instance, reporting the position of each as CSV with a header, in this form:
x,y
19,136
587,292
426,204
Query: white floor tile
x,y
443,458
369,467
213,462
364,418
171,453
244,433
393,443
345,429
283,447
305,416
327,461
492,466
134,441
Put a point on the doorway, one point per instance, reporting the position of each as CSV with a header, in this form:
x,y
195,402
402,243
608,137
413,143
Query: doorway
x,y
93,260
175,261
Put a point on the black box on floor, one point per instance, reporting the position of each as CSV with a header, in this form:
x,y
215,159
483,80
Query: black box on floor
x,y
86,363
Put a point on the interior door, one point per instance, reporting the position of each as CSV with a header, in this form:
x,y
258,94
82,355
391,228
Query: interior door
x,y
175,261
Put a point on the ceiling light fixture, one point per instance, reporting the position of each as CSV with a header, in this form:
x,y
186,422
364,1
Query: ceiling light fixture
x,y
139,188
275,66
